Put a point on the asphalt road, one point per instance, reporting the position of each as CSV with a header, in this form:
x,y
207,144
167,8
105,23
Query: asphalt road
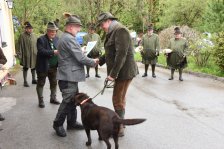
x,y
180,115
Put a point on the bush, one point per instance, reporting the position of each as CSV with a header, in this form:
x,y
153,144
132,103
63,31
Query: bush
x,y
165,35
201,50
219,50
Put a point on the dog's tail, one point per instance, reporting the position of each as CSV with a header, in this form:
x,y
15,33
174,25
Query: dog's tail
x,y
129,121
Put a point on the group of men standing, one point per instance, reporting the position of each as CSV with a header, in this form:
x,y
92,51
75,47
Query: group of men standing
x,y
62,59
176,57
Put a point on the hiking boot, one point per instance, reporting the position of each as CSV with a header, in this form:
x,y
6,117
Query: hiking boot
x,y
25,84
144,75
1,118
41,103
171,78
53,100
77,126
181,79
121,131
87,75
60,131
97,76
153,75
34,82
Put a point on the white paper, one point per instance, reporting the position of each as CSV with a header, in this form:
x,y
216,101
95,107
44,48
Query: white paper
x,y
89,47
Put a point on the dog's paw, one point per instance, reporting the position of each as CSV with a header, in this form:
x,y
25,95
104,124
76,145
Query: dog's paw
x,y
88,143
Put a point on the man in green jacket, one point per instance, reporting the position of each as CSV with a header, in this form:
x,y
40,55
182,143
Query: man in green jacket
x,y
119,58
177,58
151,47
96,51
28,52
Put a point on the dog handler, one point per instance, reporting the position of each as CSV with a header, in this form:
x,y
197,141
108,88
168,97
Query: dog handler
x,y
70,71
119,58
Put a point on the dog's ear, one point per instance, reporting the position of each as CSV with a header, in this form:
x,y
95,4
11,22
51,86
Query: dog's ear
x,y
75,99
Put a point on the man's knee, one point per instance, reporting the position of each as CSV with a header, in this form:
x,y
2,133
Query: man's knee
x,y
41,82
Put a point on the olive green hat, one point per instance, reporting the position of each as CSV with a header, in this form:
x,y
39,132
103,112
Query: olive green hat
x,y
150,27
52,26
105,16
73,19
92,26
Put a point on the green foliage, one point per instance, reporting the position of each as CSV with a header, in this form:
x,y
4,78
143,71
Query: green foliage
x,y
214,17
37,12
184,12
219,51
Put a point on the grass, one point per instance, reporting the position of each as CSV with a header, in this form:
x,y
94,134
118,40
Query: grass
x,y
211,69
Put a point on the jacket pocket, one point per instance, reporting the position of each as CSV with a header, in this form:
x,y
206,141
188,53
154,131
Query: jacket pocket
x,y
74,68
109,43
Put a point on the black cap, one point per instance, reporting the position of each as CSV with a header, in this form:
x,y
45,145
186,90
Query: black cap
x,y
28,25
150,27
177,31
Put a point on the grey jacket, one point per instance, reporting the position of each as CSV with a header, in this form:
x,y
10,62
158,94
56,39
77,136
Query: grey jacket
x,y
71,60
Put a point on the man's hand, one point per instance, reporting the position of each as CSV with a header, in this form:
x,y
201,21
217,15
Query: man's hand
x,y
96,61
56,52
84,49
110,78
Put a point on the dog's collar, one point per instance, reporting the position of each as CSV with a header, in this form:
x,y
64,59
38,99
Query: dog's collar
x,y
84,101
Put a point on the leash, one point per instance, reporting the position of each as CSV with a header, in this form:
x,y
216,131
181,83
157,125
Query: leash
x,y
106,85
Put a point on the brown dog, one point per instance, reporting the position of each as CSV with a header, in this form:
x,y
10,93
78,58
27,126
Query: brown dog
x,y
105,121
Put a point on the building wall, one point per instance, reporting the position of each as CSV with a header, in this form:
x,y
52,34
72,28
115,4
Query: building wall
x,y
7,33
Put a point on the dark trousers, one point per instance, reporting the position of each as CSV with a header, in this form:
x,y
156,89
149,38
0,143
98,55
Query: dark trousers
x,y
67,108
33,72
41,79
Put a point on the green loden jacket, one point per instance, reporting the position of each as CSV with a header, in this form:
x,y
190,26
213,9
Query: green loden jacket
x,y
151,48
28,50
179,52
95,52
119,54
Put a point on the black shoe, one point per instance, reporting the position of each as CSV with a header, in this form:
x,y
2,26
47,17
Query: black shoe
x,y
34,82
25,84
54,101
1,118
171,78
77,126
60,131
181,79
41,104
98,76
87,76
153,75
144,75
